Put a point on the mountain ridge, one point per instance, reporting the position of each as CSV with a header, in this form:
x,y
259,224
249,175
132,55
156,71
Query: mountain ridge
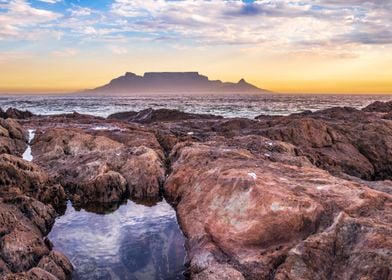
x,y
173,82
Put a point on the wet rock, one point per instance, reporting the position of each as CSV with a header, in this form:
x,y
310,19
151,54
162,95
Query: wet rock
x,y
243,213
14,113
378,106
159,115
3,115
123,116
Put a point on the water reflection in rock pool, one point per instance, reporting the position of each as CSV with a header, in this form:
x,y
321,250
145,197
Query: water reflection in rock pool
x,y
133,242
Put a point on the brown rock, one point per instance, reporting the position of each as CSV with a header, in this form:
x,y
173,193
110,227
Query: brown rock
x,y
378,106
240,210
33,274
101,166
22,249
22,244
57,264
18,114
18,176
352,248
159,115
12,137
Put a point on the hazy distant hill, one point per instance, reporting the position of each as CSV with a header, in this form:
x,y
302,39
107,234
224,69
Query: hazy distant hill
x,y
174,82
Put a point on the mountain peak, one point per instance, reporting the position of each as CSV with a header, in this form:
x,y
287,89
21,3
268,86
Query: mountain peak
x,y
130,74
242,81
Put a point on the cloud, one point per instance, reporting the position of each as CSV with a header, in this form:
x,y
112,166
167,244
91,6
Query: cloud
x,y
292,25
282,22
21,21
51,1
118,50
78,11
65,53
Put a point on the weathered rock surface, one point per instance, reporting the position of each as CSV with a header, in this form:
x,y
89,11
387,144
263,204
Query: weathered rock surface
x,y
278,197
244,215
28,198
18,176
14,113
159,115
24,223
378,106
12,137
101,162
339,140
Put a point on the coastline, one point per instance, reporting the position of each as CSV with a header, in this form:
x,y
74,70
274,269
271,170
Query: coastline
x,y
277,197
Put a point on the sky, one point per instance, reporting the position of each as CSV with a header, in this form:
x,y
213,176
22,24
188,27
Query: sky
x,y
289,46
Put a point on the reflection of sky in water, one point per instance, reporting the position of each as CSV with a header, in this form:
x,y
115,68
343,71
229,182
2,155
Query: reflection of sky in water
x,y
134,242
228,105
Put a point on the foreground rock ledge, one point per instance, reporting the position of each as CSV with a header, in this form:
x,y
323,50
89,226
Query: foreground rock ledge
x,y
250,205
246,217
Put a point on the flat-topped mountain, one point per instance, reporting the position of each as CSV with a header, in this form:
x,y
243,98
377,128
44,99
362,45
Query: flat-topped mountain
x,y
173,82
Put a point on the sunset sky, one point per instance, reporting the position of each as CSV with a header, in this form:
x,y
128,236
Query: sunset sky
x,y
309,46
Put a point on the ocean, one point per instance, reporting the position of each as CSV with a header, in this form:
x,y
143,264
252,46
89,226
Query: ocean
x,y
228,106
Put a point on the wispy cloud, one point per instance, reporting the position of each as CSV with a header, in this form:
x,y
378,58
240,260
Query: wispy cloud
x,y
65,53
51,1
118,50
22,21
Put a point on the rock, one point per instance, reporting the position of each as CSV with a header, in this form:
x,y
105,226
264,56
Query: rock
x,y
56,264
243,211
339,140
159,115
18,114
27,198
18,176
22,249
352,248
33,274
123,116
24,222
378,106
3,115
12,137
102,166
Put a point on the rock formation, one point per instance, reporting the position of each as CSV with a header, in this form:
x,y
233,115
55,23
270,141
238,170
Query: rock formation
x,y
159,115
28,199
306,196
100,162
12,137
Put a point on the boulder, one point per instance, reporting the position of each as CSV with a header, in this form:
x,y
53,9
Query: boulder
x,y
378,106
14,113
243,212
104,166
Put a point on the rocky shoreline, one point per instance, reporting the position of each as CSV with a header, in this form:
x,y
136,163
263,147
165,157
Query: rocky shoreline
x,y
305,196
